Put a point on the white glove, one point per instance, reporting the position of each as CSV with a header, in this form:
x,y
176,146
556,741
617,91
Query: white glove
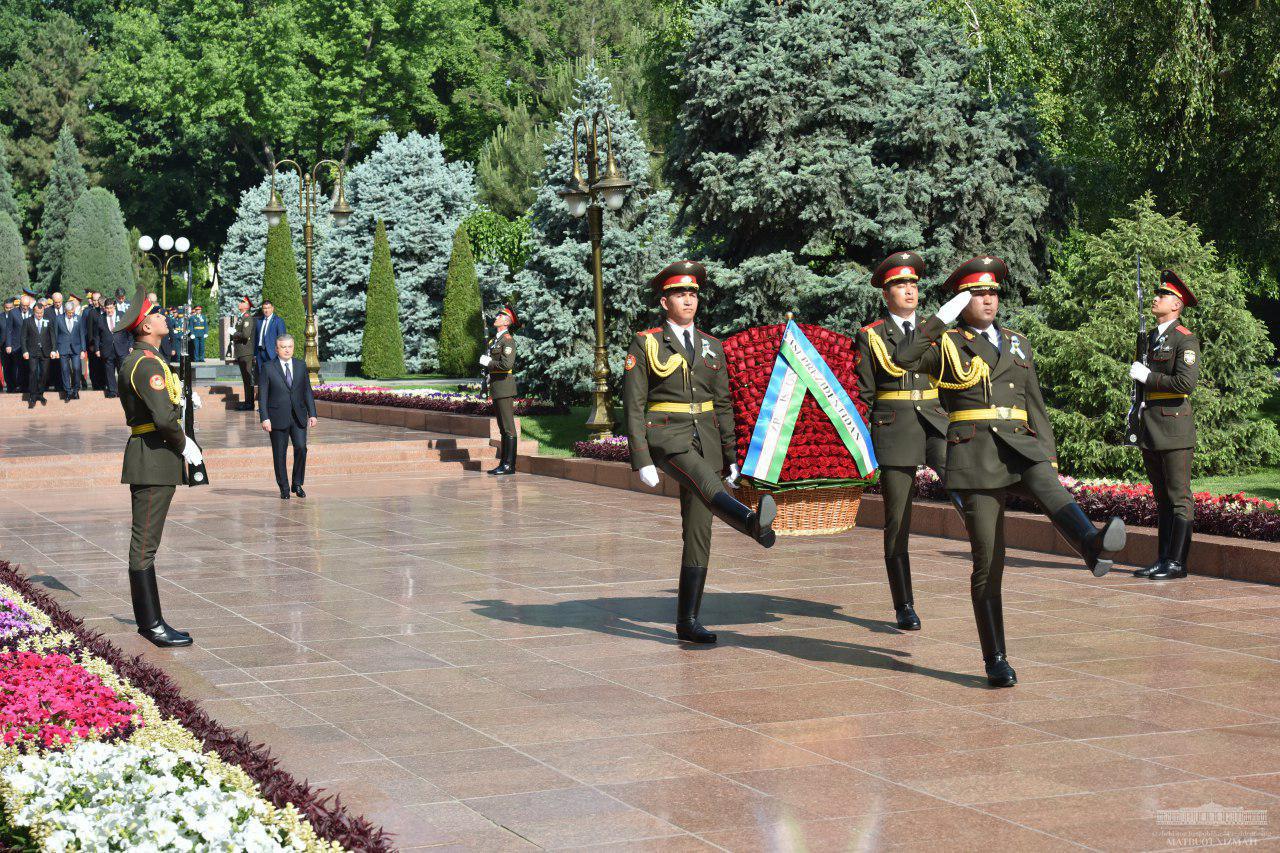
x,y
732,479
191,453
1139,372
649,476
484,360
951,310
196,402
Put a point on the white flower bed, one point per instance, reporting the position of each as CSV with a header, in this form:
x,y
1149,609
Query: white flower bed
x,y
106,797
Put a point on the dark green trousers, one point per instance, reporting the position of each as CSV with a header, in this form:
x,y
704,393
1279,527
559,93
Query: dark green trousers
x,y
505,410
150,509
698,473
898,488
1170,474
984,519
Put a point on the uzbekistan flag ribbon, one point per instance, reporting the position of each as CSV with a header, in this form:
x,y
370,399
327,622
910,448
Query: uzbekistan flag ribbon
x,y
800,369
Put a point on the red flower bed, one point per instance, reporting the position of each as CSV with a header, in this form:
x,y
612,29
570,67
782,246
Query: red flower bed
x,y
49,700
816,451
458,404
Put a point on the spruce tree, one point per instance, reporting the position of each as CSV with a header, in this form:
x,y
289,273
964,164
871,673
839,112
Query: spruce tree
x,y
8,202
555,288
814,137
13,258
1084,327
462,314
67,182
280,283
96,253
382,344
407,182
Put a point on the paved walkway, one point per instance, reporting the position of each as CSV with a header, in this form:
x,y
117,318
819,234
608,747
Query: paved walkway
x,y
489,665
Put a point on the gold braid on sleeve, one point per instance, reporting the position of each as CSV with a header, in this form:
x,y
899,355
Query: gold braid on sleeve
x,y
978,370
881,353
664,368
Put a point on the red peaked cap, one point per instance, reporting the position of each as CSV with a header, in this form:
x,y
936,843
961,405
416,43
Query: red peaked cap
x,y
1169,281
986,272
900,266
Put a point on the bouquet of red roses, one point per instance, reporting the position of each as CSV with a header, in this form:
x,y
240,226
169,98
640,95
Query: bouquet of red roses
x,y
817,456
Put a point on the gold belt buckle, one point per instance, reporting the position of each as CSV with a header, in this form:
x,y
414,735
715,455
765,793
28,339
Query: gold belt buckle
x,y
693,408
1004,412
916,395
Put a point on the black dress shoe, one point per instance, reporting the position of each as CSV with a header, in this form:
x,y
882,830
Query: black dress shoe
x,y
284,495
297,490
999,673
165,636
907,618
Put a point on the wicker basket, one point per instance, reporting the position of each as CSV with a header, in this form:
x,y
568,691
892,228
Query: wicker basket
x,y
809,512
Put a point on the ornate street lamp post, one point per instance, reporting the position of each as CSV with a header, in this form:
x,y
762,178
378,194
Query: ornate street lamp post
x,y
172,249
308,202
584,197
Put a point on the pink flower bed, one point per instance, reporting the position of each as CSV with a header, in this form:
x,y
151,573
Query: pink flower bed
x,y
433,401
47,700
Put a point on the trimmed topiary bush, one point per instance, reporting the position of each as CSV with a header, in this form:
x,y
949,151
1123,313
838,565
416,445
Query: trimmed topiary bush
x,y
462,316
13,257
382,346
96,254
280,285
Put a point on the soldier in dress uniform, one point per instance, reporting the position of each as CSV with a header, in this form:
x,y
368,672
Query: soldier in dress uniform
x,y
153,459
1168,425
242,350
500,361
908,423
680,420
998,441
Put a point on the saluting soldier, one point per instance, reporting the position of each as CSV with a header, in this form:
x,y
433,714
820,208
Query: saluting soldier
x,y
998,441
153,459
500,361
680,419
1168,425
908,423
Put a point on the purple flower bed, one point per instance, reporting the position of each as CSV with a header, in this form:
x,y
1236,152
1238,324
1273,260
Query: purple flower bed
x,y
1235,515
432,401
14,621
326,813
608,450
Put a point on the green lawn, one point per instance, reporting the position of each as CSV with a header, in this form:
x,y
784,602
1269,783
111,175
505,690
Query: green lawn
x,y
1263,483
556,434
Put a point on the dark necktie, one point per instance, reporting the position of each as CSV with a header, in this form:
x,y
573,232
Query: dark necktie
x,y
688,345
907,332
288,374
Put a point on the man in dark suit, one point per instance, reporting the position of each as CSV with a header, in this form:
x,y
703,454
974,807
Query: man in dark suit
x,y
12,331
71,349
39,345
90,315
266,331
287,410
113,345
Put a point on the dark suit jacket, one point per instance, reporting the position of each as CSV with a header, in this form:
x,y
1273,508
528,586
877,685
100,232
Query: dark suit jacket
x,y
266,351
113,346
280,403
37,344
70,343
13,330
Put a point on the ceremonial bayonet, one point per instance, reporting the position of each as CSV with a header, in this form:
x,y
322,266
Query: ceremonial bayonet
x,y
197,475
1133,424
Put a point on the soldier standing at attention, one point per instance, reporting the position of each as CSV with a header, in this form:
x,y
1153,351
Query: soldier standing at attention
x,y
680,419
908,424
500,360
153,459
998,441
242,350
1168,424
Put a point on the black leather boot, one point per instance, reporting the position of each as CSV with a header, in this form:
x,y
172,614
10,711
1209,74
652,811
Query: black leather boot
x,y
899,569
146,612
1179,545
1090,542
688,602
758,525
508,457
1164,526
502,456
989,614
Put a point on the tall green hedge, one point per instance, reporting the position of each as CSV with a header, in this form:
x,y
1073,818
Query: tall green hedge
x,y
13,258
96,252
462,317
280,285
382,346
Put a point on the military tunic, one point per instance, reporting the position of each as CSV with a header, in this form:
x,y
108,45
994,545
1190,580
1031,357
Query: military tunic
x,y
242,352
502,382
153,464
679,418
998,438
1168,434
908,426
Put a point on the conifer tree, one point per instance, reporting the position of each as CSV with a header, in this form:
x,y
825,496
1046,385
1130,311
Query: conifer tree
x,y
67,182
96,250
8,202
13,258
382,345
280,283
462,314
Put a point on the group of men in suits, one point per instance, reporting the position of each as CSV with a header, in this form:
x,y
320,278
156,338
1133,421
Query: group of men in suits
x,y
61,344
